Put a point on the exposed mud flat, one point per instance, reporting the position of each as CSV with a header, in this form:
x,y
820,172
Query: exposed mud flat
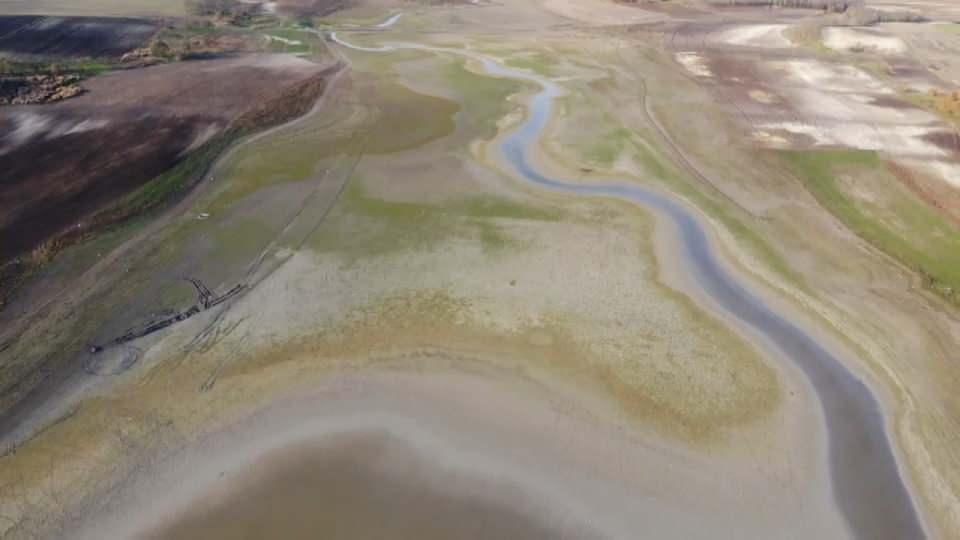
x,y
863,39
756,35
363,485
446,454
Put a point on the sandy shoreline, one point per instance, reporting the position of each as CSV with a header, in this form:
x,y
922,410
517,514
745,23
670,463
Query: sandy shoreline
x,y
487,436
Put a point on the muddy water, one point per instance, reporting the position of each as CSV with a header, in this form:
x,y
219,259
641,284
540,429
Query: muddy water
x,y
867,483
364,485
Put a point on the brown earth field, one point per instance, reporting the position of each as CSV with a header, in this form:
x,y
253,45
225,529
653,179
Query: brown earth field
x,y
128,128
315,8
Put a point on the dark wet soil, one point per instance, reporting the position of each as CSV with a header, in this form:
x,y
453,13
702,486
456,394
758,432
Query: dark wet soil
x,y
52,183
82,37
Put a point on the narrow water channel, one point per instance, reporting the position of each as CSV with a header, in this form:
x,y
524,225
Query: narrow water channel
x,y
867,483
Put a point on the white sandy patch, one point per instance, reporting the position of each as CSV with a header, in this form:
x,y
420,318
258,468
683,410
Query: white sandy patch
x,y
832,77
768,139
947,171
852,39
895,139
756,35
762,96
694,63
853,107
819,135
284,40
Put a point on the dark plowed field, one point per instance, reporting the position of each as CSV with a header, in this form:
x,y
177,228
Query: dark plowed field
x,y
60,163
311,8
56,181
79,37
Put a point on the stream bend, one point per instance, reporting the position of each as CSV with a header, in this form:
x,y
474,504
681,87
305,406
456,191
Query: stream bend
x,y
867,485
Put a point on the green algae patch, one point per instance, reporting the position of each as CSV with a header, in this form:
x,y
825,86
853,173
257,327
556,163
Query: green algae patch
x,y
364,225
485,98
607,148
858,188
538,62
407,119
388,117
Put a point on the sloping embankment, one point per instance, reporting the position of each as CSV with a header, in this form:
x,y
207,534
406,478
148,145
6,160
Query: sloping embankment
x,y
137,142
21,380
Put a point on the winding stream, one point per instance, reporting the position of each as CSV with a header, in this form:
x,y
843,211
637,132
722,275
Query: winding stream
x,y
867,484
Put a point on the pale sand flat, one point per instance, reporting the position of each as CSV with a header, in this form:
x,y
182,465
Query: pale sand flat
x,y
478,447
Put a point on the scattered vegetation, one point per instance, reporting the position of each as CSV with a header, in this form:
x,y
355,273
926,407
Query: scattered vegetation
x,y
486,96
232,11
609,145
44,82
181,177
364,225
81,67
946,103
892,219
606,148
537,62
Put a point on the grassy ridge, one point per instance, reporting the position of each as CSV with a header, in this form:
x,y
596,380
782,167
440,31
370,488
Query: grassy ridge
x,y
181,177
900,224
82,68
